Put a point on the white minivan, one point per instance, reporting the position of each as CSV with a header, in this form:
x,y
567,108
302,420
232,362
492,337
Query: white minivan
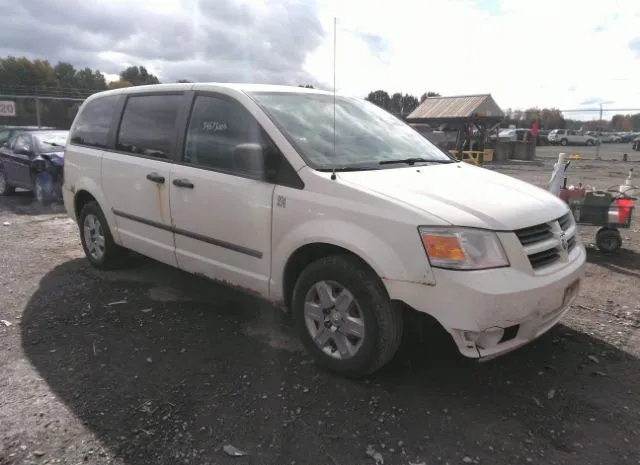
x,y
327,206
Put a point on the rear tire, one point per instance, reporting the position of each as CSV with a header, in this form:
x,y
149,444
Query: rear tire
x,y
97,241
564,142
5,187
355,339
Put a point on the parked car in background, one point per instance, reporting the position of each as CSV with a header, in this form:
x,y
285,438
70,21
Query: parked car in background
x,y
543,137
242,184
7,132
570,137
608,137
626,137
511,135
33,160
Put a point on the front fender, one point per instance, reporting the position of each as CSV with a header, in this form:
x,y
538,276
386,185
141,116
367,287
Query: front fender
x,y
369,246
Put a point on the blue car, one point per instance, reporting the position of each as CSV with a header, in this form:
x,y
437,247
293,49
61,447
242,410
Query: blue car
x,y
34,160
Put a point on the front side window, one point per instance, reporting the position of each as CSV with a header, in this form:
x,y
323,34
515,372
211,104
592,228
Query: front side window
x,y
92,124
365,135
148,125
216,127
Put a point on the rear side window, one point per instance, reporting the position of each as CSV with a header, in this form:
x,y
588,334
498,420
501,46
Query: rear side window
x,y
148,125
92,124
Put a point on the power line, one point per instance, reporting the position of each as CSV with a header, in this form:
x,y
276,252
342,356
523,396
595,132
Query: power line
x,y
42,97
587,110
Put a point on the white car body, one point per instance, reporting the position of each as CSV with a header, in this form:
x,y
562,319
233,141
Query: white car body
x,y
570,137
243,232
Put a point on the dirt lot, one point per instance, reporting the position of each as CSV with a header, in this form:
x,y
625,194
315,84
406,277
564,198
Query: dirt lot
x,y
152,366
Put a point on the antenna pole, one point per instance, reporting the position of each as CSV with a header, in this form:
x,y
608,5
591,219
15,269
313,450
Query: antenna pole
x,y
335,27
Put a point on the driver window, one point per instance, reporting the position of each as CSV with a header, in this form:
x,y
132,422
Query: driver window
x,y
217,125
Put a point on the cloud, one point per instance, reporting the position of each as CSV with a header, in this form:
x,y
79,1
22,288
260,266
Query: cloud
x,y
596,101
523,55
205,40
634,45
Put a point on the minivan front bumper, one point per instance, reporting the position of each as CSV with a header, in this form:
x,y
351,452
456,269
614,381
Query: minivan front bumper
x,y
491,312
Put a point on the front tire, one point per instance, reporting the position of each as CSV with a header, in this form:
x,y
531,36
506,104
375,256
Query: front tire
x,y
344,316
42,188
97,241
564,142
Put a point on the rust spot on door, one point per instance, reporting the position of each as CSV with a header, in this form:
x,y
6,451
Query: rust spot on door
x,y
160,201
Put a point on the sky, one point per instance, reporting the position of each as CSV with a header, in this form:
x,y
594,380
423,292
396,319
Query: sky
x,y
568,54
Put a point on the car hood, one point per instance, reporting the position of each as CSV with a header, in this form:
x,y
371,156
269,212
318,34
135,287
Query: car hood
x,y
463,195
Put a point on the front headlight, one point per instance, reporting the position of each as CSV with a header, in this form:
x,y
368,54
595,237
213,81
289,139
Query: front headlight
x,y
463,249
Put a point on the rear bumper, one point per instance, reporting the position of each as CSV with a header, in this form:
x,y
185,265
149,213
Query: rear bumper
x,y
67,199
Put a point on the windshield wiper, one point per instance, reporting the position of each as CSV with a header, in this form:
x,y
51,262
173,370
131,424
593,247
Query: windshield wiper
x,y
339,169
53,144
413,161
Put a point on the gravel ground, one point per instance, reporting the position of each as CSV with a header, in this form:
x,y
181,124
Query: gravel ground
x,y
152,366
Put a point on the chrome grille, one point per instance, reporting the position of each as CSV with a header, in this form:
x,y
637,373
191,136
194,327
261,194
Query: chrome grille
x,y
565,221
541,242
544,258
534,234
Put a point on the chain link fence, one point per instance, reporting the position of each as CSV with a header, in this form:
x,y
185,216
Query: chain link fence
x,y
41,111
40,106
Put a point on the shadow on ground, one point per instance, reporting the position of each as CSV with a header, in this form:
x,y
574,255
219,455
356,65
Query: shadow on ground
x,y
23,203
165,368
625,261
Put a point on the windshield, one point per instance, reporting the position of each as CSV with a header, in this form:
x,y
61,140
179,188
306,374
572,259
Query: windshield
x,y
365,135
51,142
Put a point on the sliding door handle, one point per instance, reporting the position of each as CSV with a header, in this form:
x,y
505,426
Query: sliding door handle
x,y
183,183
155,177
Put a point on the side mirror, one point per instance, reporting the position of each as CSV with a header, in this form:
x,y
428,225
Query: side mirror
x,y
250,159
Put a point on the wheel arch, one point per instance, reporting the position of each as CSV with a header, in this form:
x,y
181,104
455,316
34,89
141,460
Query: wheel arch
x,y
307,254
81,198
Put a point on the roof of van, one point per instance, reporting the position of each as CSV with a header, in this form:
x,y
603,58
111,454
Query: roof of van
x,y
213,85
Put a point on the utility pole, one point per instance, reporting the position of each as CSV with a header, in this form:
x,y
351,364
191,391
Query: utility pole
x,y
38,121
598,141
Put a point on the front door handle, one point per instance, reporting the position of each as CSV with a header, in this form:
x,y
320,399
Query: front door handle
x,y
183,183
155,177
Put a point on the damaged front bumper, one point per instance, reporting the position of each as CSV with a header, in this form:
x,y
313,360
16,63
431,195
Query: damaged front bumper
x,y
494,342
491,312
